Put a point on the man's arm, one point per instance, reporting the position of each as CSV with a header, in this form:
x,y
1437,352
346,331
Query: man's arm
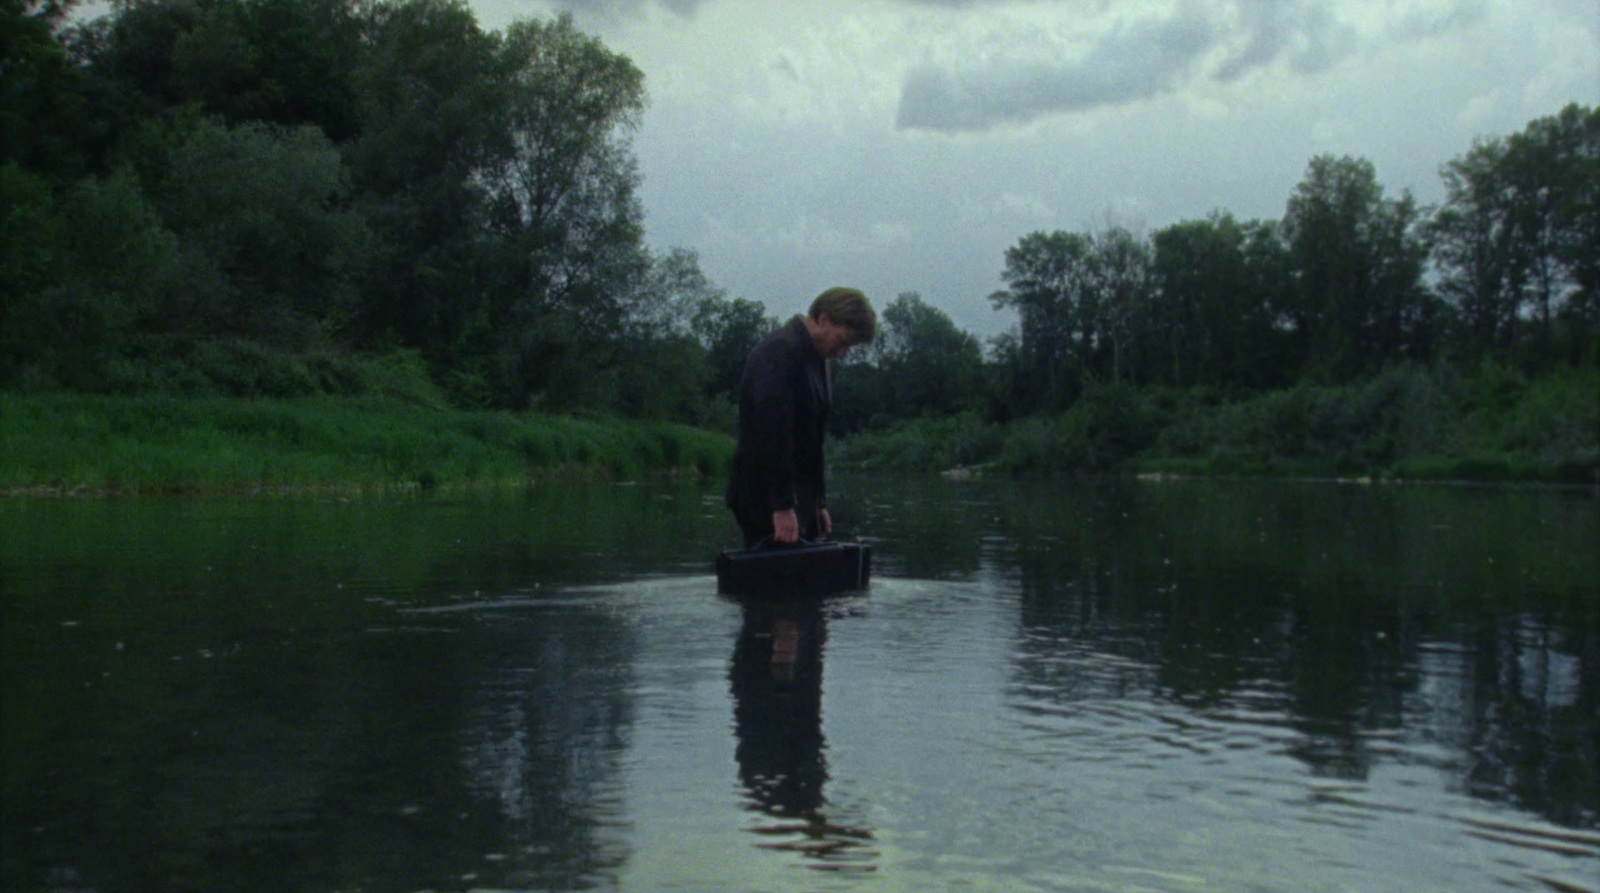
x,y
771,425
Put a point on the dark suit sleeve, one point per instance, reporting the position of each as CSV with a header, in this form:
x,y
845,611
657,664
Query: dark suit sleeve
x,y
772,422
822,482
821,485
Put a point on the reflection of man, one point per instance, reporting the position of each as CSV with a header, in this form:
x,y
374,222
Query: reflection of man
x,y
778,488
776,677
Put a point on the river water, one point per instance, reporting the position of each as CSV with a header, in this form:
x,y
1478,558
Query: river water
x,y
1050,685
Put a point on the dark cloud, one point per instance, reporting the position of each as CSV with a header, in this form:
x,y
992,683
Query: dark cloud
x,y
1130,63
603,10
959,4
1303,33
785,66
1423,24
1225,41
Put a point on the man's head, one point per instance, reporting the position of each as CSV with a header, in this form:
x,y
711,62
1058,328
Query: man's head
x,y
842,318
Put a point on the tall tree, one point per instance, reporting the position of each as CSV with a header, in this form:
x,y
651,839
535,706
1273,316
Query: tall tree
x,y
1578,235
1481,269
663,366
1083,298
1554,186
929,366
42,103
1270,284
1212,309
1123,261
1516,241
1052,284
727,328
1358,259
564,202
430,104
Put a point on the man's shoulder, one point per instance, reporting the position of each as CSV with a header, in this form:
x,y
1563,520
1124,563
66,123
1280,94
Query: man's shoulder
x,y
785,339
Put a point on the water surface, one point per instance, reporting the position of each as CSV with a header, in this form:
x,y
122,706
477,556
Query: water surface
x,y
1051,685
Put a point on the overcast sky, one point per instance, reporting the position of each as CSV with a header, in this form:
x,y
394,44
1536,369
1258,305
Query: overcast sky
x,y
904,145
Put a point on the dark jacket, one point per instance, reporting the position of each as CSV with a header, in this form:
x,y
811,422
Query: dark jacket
x,y
784,401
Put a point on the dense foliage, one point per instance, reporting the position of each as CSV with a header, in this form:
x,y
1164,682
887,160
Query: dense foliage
x,y
273,197
1358,334
289,198
1348,283
1484,423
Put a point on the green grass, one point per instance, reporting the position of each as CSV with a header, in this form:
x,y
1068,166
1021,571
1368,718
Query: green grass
x,y
62,442
1484,424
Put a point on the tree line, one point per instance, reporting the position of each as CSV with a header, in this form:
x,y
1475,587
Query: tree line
x,y
1351,281
284,197
292,196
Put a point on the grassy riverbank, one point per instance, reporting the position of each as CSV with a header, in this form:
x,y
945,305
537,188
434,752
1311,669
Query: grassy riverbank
x,y
1407,424
1414,424
74,443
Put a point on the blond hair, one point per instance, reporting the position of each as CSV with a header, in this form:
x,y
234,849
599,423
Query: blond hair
x,y
850,308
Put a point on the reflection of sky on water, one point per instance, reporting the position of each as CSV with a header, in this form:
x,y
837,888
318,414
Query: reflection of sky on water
x,y
956,748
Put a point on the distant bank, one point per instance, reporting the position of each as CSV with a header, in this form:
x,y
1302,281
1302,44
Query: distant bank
x,y
1406,424
1403,425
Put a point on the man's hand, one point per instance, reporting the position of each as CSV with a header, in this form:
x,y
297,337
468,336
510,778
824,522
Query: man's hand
x,y
785,526
825,522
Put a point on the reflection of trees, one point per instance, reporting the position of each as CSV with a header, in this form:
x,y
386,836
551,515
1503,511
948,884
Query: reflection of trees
x,y
1532,713
776,678
556,532
1373,624
922,527
182,769
541,741
242,706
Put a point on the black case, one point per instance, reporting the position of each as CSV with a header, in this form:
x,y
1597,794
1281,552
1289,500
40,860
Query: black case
x,y
800,569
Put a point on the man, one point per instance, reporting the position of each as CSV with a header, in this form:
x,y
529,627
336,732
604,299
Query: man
x,y
778,489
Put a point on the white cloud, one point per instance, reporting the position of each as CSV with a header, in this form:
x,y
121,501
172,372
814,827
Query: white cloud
x,y
1130,61
807,235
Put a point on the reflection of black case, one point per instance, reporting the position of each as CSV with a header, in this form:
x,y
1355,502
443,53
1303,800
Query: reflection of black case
x,y
803,568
